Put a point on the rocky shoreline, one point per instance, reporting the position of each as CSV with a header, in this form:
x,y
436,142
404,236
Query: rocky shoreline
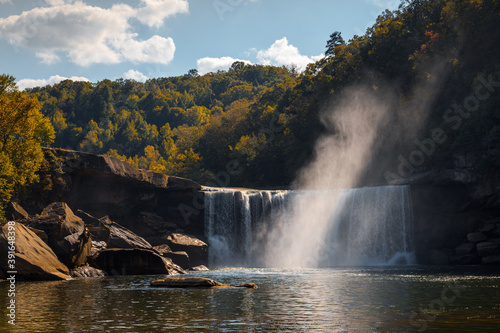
x,y
59,244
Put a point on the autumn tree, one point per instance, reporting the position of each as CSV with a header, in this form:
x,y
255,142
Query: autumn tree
x,y
23,131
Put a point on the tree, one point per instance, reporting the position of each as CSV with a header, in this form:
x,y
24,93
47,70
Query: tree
x,y
193,72
7,84
334,41
23,131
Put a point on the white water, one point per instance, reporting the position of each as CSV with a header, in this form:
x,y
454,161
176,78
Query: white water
x,y
365,226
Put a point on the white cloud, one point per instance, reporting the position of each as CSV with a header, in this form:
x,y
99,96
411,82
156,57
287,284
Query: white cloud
x,y
6,1
135,75
30,83
208,65
90,35
48,57
281,53
154,12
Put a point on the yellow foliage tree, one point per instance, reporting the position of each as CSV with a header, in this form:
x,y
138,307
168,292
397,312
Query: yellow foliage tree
x,y
23,131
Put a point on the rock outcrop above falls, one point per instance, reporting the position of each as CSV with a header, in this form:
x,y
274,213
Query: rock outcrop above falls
x,y
147,203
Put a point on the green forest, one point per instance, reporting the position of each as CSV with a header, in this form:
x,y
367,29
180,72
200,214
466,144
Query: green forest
x,y
261,122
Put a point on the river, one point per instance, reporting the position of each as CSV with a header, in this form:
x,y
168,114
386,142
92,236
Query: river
x,y
359,299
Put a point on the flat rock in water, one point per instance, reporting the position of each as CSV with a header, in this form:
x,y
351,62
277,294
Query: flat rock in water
x,y
195,282
201,268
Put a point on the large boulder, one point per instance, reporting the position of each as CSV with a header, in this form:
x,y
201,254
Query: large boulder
x,y
476,237
67,235
86,272
465,248
196,249
181,258
133,262
16,212
34,259
121,237
485,249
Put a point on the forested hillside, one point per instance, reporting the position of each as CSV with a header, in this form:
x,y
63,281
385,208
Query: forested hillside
x,y
261,122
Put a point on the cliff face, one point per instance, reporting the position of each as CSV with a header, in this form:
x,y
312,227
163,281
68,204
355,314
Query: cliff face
x,y
449,205
151,204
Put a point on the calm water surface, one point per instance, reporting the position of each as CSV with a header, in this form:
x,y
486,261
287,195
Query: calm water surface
x,y
376,299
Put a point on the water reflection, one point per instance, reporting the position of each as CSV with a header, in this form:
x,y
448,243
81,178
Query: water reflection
x,y
322,300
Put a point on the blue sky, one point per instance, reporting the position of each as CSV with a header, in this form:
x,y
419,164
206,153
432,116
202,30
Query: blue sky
x,y
45,41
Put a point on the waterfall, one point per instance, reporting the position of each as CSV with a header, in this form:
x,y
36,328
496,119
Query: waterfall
x,y
363,226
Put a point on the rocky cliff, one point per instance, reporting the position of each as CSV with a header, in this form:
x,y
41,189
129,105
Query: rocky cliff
x,y
449,205
149,203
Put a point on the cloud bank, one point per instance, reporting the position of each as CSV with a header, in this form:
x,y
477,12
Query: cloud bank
x,y
93,35
30,83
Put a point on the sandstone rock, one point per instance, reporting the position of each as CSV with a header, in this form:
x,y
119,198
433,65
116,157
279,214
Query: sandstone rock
x,y
87,218
86,272
103,185
16,212
476,237
132,262
35,260
40,233
100,234
156,222
112,166
200,268
176,269
465,248
181,258
121,237
161,249
196,249
489,260
485,249
195,282
97,246
67,235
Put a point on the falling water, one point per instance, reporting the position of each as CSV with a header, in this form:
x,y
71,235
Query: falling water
x,y
366,226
